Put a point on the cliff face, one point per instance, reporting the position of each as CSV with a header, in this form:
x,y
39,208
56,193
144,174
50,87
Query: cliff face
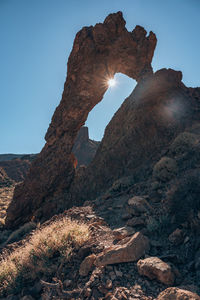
x,y
98,53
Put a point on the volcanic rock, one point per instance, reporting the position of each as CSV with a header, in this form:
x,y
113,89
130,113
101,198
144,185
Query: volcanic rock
x,y
87,264
84,149
155,268
98,53
132,250
174,293
159,108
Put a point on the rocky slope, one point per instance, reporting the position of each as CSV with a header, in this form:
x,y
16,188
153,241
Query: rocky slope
x,y
98,53
16,169
139,196
4,179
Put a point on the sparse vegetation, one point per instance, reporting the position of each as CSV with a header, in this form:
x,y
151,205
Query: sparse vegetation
x,y
165,169
159,225
6,195
121,184
37,256
20,232
183,197
183,143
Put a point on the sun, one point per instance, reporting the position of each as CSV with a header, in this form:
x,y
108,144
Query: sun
x,y
111,82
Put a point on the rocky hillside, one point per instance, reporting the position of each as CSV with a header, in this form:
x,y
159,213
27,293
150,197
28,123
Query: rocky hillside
x,y
4,179
16,169
134,232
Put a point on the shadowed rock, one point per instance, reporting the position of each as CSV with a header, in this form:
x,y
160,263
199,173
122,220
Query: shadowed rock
x,y
98,53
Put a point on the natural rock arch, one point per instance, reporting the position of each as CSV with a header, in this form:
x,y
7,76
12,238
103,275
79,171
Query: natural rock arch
x,y
98,53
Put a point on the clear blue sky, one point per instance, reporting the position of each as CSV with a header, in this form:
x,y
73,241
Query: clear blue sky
x,y
36,38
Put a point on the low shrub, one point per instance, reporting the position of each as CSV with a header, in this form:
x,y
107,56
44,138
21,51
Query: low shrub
x,y
37,256
159,225
121,184
184,142
19,233
183,197
165,169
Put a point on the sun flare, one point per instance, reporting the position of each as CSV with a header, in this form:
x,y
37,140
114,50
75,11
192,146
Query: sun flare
x,y
111,82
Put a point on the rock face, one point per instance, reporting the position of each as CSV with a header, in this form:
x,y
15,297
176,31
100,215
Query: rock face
x,y
84,149
155,268
98,53
177,294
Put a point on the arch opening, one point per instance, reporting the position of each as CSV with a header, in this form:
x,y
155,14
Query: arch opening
x,y
102,113
90,135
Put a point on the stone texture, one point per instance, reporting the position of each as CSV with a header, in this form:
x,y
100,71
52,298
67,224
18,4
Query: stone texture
x,y
132,250
87,264
155,268
123,232
98,53
174,293
84,148
16,169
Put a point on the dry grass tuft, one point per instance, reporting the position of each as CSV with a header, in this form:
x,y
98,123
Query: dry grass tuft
x,y
42,254
6,194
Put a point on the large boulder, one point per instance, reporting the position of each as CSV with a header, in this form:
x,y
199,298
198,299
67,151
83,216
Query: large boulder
x,y
131,250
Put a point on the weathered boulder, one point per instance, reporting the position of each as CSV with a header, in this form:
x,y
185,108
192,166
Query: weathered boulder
x,y
98,53
155,268
123,232
132,250
173,293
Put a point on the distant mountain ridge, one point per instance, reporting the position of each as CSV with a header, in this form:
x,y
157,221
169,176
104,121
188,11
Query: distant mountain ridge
x,y
10,156
16,166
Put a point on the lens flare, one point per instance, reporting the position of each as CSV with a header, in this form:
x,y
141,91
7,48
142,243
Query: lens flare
x,y
111,82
